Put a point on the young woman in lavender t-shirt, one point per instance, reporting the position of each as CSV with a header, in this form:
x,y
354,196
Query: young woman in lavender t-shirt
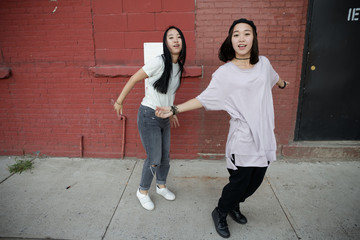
x,y
242,88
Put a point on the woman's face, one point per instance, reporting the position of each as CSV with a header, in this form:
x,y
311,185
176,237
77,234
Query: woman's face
x,y
173,41
242,40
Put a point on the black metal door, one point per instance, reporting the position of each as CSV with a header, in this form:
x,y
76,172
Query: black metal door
x,y
329,100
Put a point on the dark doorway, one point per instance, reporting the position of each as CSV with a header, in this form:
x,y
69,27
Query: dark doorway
x,y
329,102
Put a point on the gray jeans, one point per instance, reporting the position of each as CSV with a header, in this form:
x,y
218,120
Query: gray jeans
x,y
155,137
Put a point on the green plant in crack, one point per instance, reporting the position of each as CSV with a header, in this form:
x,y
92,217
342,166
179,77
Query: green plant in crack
x,y
23,163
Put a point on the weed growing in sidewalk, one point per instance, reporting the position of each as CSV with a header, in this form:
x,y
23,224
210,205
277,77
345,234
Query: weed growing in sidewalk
x,y
23,163
20,166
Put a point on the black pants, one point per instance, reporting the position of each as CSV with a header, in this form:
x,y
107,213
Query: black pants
x,y
242,184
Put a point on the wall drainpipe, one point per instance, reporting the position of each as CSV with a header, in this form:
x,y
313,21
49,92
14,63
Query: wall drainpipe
x,y
123,118
81,146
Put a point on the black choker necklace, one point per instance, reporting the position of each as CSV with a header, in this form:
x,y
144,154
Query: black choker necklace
x,y
242,58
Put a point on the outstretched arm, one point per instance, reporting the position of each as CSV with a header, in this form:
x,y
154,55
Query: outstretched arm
x,y
165,112
138,76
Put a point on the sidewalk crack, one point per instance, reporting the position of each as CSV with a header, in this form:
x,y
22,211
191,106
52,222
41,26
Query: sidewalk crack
x,y
117,205
282,208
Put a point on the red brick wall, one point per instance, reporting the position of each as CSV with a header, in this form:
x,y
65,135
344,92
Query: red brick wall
x,y
48,102
58,52
121,27
52,99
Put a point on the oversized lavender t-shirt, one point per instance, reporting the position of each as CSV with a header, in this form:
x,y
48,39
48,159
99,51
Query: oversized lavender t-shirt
x,y
246,95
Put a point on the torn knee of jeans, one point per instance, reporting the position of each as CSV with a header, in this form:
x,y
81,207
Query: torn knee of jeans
x,y
153,169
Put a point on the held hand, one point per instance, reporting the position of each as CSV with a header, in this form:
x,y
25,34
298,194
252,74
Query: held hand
x,y
282,84
174,122
163,112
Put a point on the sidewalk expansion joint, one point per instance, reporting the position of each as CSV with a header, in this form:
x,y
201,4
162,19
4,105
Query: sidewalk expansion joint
x,y
117,205
283,210
7,179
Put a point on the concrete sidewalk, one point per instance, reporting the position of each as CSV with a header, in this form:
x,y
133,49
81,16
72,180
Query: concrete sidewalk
x,y
70,198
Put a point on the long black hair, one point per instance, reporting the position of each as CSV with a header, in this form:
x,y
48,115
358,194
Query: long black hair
x,y
227,52
162,84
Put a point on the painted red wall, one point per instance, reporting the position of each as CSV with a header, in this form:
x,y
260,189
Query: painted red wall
x,y
69,58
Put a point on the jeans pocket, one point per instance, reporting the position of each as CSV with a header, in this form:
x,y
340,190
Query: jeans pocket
x,y
149,118
146,114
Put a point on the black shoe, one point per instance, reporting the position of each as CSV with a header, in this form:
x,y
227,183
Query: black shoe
x,y
237,216
221,225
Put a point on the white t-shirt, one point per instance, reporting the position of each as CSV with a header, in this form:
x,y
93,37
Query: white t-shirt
x,y
154,70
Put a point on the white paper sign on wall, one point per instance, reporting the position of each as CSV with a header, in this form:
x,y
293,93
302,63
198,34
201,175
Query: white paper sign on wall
x,y
151,50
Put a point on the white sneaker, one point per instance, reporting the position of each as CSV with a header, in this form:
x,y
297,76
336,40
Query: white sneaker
x,y
165,193
145,200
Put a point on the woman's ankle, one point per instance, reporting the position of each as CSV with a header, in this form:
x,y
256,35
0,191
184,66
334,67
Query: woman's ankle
x,y
144,192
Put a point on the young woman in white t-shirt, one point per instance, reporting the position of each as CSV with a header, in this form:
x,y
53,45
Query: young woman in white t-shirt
x,y
243,88
163,77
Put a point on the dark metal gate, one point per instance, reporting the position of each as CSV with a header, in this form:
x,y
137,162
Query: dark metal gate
x,y
329,100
